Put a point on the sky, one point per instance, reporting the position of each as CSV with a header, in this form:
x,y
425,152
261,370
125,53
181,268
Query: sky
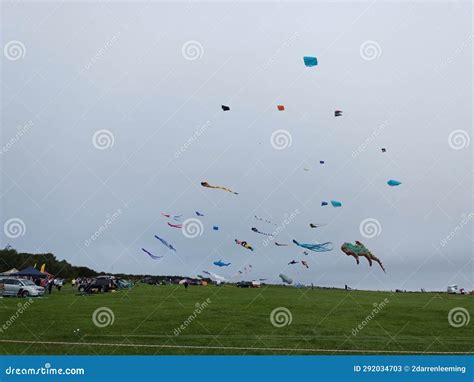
x,y
111,115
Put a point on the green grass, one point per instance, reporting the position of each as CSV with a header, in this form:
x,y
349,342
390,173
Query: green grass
x,y
236,321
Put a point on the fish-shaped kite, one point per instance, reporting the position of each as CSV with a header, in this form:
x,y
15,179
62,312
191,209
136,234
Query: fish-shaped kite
x,y
154,257
205,184
316,225
292,262
285,278
305,264
316,247
338,113
199,214
280,244
393,183
220,263
175,225
165,243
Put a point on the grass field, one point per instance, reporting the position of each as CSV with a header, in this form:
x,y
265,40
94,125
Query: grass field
x,y
156,320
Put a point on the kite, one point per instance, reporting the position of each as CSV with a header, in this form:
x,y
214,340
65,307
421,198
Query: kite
x,y
205,184
393,183
321,162
384,149
306,253
334,203
199,214
220,263
244,244
217,278
292,262
165,243
280,245
338,113
280,107
358,249
316,225
151,254
305,264
175,225
174,217
225,108
263,220
306,169
310,61
285,278
317,247
215,228
261,233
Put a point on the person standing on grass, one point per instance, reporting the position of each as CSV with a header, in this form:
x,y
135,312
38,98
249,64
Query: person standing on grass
x,y
50,286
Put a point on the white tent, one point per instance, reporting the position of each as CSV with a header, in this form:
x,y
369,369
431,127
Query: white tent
x,y
9,272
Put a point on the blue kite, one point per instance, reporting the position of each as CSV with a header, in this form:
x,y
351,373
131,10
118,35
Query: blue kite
x,y
164,242
317,247
393,183
199,214
154,257
220,263
310,61
335,203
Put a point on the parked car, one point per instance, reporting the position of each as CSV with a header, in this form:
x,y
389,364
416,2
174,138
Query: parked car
x,y
97,285
21,288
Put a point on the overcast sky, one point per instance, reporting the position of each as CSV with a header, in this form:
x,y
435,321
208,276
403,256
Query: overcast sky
x,y
154,77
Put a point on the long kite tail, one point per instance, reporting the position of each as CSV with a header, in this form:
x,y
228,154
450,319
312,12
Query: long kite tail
x,y
376,259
